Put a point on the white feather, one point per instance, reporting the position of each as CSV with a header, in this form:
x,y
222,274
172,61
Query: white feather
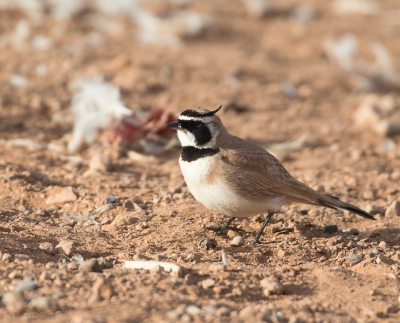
x,y
95,106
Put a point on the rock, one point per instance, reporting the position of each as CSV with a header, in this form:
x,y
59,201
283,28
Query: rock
x,y
47,247
207,244
61,196
355,259
217,267
19,257
368,113
44,276
103,288
374,209
124,219
272,286
382,244
330,228
91,265
41,302
66,247
382,260
14,302
231,234
282,253
6,257
393,209
109,228
387,128
100,163
251,314
207,283
193,310
237,242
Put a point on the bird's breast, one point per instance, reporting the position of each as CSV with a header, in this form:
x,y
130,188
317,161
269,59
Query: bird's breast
x,y
208,186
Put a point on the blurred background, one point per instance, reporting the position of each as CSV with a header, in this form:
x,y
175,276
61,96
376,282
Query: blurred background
x,y
283,69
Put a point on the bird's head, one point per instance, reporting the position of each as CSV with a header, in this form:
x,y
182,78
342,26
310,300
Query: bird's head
x,y
198,128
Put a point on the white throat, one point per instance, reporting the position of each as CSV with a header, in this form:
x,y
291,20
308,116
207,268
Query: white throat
x,y
186,138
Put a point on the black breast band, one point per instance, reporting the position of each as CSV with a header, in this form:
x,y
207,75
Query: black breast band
x,y
191,153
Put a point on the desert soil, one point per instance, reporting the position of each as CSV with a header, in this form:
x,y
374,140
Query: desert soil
x,y
298,273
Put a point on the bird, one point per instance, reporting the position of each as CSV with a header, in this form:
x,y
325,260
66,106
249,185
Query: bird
x,y
237,178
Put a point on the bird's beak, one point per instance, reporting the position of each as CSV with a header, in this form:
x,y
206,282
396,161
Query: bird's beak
x,y
173,125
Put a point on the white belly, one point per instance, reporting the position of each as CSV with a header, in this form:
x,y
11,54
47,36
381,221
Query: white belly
x,y
218,196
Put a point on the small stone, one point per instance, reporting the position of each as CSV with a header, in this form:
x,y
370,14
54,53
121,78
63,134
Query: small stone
x,y
393,209
251,314
382,260
47,247
6,257
50,264
103,288
207,283
14,302
237,242
109,228
217,267
272,286
382,245
185,318
355,259
124,219
100,163
91,265
207,244
66,247
232,234
330,228
41,302
44,276
282,253
128,205
63,195
19,257
193,310
72,266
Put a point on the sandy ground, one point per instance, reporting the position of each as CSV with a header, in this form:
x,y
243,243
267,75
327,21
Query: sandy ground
x,y
299,273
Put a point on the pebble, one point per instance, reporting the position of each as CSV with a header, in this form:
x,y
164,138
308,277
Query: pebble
x,y
65,195
272,286
355,259
44,276
282,253
41,302
374,209
251,314
103,288
19,257
6,257
100,163
382,244
14,302
47,247
193,310
91,265
217,267
124,219
393,209
207,243
207,283
237,242
381,259
66,247
330,228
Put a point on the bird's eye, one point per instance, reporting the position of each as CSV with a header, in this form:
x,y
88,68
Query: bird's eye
x,y
198,124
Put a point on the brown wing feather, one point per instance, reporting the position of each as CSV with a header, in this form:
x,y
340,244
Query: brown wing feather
x,y
253,170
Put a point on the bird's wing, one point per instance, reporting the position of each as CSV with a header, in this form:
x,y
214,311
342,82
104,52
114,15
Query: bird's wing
x,y
259,174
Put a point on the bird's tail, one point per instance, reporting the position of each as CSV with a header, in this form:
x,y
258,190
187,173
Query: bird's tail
x,y
334,203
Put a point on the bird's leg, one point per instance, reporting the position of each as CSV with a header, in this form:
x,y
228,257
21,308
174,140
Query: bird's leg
x,y
224,226
258,236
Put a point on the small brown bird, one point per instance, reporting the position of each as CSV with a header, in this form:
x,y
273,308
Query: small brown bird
x,y
235,177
